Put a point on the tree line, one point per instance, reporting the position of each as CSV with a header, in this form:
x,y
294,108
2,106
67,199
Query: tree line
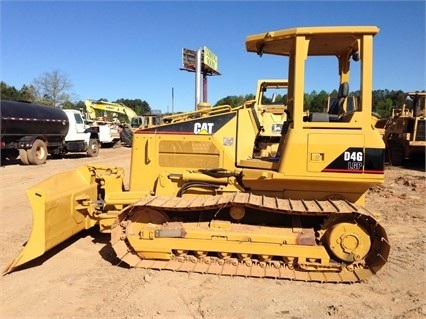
x,y
383,100
52,88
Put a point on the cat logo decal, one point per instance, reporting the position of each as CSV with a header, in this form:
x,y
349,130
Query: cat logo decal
x,y
203,128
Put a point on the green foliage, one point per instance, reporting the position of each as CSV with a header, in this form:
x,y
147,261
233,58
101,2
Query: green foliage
x,y
139,106
68,105
9,92
383,107
383,100
27,93
316,102
235,100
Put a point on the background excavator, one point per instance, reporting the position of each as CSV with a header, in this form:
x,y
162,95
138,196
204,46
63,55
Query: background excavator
x,y
202,198
120,115
109,131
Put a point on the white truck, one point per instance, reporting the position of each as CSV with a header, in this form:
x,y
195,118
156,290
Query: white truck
x,y
81,137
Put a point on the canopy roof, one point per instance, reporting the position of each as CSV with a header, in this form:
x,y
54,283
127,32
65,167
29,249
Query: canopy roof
x,y
323,40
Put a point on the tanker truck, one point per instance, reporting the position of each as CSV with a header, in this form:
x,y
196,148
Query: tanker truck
x,y
33,131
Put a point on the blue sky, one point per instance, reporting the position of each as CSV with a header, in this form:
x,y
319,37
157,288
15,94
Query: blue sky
x,y
133,49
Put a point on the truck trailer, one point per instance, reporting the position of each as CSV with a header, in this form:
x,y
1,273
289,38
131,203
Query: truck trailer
x,y
32,131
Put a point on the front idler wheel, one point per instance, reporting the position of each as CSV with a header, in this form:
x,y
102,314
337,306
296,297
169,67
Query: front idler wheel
x,y
347,240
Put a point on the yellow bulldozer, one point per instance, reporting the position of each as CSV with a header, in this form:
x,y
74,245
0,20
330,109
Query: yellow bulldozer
x,y
202,198
404,133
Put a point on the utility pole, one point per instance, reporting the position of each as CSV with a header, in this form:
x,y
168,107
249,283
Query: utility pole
x,y
173,101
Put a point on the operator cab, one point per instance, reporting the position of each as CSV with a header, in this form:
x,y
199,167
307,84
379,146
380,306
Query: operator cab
x,y
311,134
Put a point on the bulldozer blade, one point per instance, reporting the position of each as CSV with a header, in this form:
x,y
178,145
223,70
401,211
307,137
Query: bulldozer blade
x,y
60,206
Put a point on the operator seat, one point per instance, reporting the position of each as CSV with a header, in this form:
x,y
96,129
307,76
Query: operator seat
x,y
334,110
336,107
286,126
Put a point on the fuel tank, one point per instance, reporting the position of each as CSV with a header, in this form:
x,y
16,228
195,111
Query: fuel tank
x,y
21,119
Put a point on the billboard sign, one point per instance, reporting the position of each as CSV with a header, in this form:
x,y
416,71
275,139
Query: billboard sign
x,y
189,59
210,59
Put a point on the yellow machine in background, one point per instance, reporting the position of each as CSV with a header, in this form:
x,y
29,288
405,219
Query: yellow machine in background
x,y
405,134
109,131
107,110
203,198
131,122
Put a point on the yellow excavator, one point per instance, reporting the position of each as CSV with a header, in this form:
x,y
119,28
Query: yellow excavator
x,y
108,108
112,115
201,198
131,122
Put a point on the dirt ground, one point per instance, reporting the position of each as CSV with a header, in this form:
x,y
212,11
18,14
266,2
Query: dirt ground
x,y
81,278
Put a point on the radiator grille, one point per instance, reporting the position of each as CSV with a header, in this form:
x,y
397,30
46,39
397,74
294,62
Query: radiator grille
x,y
420,134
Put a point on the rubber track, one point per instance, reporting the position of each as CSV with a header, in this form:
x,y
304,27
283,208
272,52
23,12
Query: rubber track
x,y
360,271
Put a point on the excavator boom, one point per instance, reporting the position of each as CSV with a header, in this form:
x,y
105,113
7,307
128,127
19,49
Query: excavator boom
x,y
92,106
